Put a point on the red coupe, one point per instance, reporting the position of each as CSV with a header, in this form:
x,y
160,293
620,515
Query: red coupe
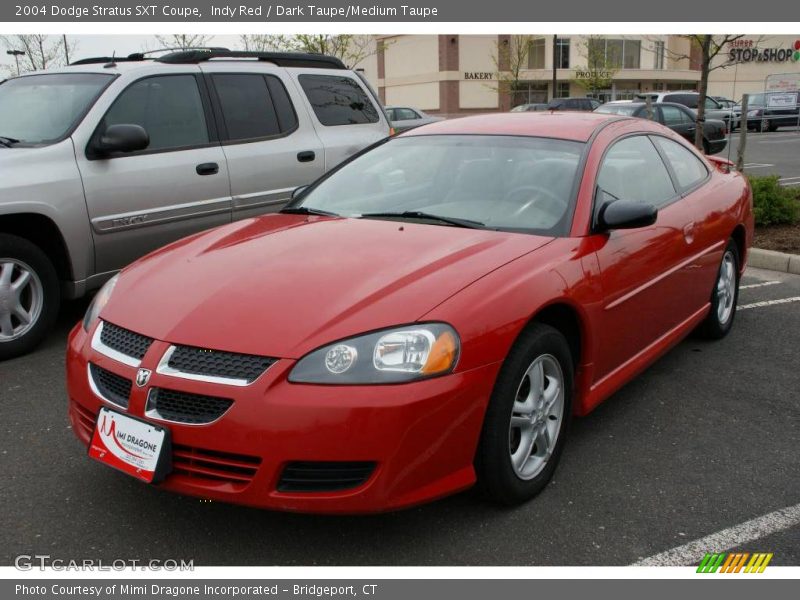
x,y
426,317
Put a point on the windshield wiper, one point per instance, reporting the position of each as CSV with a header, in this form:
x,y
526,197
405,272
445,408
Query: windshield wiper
x,y
8,141
307,210
418,214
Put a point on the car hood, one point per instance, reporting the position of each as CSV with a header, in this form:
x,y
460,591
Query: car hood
x,y
283,285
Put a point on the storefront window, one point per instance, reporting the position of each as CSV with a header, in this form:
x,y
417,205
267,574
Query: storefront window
x,y
529,92
562,91
658,50
614,54
562,53
536,54
632,52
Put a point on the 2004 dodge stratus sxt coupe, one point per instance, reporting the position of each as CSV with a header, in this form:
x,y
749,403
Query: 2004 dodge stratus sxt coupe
x,y
428,316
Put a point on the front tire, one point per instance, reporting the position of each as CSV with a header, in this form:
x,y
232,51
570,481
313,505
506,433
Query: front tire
x,y
29,296
724,296
526,422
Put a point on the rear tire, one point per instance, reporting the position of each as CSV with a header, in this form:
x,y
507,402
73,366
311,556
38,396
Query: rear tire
x,y
526,422
29,296
724,296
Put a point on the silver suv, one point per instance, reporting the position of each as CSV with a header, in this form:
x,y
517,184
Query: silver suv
x,y
108,159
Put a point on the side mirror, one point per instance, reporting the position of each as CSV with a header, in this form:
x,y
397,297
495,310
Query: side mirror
x,y
298,191
626,214
121,138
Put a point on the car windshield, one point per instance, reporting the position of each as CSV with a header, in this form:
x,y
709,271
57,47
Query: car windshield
x,y
499,182
41,109
618,109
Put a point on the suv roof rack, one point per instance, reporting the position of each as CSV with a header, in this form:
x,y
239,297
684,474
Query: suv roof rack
x,y
282,59
139,56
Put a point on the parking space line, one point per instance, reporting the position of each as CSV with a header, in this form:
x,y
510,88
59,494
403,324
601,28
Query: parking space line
x,y
732,537
757,165
769,303
756,285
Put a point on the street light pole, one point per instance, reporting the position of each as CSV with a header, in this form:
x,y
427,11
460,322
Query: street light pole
x,y
16,54
555,58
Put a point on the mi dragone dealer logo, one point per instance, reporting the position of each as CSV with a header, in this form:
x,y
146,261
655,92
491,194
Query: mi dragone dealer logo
x,y
735,562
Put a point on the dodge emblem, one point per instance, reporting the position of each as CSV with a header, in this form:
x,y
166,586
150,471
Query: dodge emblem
x,y
142,377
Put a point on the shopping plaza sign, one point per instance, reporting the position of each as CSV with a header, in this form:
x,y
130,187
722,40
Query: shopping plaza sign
x,y
744,50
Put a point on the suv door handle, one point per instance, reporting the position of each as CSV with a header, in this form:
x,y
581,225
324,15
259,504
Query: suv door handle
x,y
211,168
306,156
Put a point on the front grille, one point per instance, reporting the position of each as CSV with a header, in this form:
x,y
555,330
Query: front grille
x,y
124,341
183,407
224,467
324,476
111,386
215,363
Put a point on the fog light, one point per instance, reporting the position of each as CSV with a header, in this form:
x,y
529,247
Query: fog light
x,y
340,358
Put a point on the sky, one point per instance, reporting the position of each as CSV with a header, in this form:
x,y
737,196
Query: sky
x,y
106,45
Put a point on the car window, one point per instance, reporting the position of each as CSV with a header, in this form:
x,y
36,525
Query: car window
x,y
390,114
169,108
338,100
688,168
39,109
406,114
674,116
712,104
502,181
633,170
618,109
247,108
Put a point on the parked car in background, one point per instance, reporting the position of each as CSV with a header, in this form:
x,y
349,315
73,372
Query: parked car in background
x,y
109,159
427,317
531,107
403,118
724,102
677,117
713,110
770,110
587,104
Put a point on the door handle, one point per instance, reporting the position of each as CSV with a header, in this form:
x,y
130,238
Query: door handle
x,y
306,156
688,232
210,168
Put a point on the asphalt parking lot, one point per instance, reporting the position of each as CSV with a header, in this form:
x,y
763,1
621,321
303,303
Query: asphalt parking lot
x,y
773,153
704,440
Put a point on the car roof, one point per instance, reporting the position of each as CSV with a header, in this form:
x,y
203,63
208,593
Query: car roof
x,y
576,126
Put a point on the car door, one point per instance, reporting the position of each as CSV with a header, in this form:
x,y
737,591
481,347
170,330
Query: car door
x,y
644,272
679,120
271,148
176,186
346,118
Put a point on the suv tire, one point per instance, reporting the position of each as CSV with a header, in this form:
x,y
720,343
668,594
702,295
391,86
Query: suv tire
x,y
29,296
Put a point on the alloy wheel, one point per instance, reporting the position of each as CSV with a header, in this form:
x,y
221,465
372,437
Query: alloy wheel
x,y
536,417
21,299
726,288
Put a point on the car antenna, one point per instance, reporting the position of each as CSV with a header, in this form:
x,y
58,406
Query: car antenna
x,y
113,62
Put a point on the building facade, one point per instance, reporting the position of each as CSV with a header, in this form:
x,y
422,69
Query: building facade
x,y
463,74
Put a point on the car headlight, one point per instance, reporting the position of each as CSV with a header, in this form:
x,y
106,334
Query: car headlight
x,y
394,355
753,113
99,301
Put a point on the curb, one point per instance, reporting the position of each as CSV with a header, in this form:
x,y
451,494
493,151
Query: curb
x,y
774,261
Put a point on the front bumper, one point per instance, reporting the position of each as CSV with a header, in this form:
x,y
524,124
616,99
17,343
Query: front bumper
x,y
421,436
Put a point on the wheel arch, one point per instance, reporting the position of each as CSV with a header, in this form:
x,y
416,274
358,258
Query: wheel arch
x,y
739,236
44,233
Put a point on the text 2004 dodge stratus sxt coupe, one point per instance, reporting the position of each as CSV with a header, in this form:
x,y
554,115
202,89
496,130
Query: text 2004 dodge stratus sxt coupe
x,y
426,317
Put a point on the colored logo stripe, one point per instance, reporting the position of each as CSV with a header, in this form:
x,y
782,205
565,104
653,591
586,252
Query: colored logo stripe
x,y
734,562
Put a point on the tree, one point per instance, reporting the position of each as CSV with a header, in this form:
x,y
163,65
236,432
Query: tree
x,y
510,58
263,42
184,41
41,51
602,63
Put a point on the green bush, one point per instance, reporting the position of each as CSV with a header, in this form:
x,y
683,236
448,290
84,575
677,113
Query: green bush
x,y
774,204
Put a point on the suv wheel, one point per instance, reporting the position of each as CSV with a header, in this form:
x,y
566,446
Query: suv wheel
x,y
29,296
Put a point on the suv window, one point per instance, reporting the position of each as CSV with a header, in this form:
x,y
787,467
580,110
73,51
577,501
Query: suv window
x,y
338,100
248,105
633,170
689,100
169,108
688,169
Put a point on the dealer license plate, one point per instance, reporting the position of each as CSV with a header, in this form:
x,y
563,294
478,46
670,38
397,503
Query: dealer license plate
x,y
133,446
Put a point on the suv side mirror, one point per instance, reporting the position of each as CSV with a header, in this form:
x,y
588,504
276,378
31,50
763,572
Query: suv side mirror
x,y
121,138
626,214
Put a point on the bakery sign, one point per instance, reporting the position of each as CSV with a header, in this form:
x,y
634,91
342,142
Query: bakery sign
x,y
483,75
744,50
